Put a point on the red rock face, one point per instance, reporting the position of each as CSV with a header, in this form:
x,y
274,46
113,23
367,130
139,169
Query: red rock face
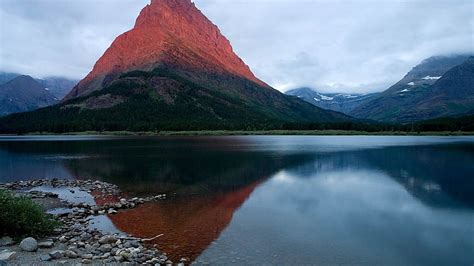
x,y
167,32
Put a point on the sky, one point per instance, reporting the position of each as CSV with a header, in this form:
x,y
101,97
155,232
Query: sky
x,y
352,46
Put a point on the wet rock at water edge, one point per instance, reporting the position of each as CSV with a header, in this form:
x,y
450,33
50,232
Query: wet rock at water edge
x,y
29,244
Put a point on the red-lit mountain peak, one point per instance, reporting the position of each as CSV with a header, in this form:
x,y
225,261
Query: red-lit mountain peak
x,y
172,33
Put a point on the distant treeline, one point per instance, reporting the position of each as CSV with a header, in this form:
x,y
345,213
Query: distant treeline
x,y
465,124
53,120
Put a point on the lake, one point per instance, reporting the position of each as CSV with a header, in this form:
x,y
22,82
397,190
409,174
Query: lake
x,y
312,200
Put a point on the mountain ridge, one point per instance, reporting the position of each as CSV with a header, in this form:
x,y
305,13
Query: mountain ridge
x,y
338,102
58,86
399,102
23,93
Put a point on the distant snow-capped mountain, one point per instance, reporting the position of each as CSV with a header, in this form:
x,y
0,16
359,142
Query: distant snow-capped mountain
x,y
340,102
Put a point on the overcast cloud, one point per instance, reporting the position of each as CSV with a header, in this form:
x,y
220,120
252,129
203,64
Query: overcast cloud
x,y
332,45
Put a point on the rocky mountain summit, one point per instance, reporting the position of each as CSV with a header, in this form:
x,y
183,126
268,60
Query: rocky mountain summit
x,y
172,33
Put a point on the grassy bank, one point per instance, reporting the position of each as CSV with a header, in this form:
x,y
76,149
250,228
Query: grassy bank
x,y
268,132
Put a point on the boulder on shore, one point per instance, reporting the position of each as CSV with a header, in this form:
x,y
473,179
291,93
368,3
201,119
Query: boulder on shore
x,y
29,244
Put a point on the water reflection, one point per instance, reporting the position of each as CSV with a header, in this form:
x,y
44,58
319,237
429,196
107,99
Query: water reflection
x,y
356,217
290,200
439,175
189,225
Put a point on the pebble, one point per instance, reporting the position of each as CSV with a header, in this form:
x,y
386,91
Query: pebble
x,y
45,257
70,254
105,248
46,244
56,254
125,255
108,239
87,256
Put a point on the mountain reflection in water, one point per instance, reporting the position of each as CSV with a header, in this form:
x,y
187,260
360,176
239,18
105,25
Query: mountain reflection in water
x,y
189,225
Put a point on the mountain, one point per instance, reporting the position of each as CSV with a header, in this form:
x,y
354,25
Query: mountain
x,y
339,102
22,94
170,33
173,71
439,86
6,77
58,86
451,95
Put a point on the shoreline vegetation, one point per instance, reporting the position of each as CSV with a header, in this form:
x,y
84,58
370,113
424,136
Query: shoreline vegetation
x,y
20,215
252,133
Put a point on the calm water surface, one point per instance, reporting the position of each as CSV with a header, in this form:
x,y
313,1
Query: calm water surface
x,y
278,200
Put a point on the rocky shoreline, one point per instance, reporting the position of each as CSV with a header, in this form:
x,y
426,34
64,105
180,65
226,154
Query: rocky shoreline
x,y
75,241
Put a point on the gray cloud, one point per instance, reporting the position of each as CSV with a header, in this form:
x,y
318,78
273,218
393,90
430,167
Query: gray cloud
x,y
332,45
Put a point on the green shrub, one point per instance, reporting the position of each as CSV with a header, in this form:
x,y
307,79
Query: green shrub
x,y
21,216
